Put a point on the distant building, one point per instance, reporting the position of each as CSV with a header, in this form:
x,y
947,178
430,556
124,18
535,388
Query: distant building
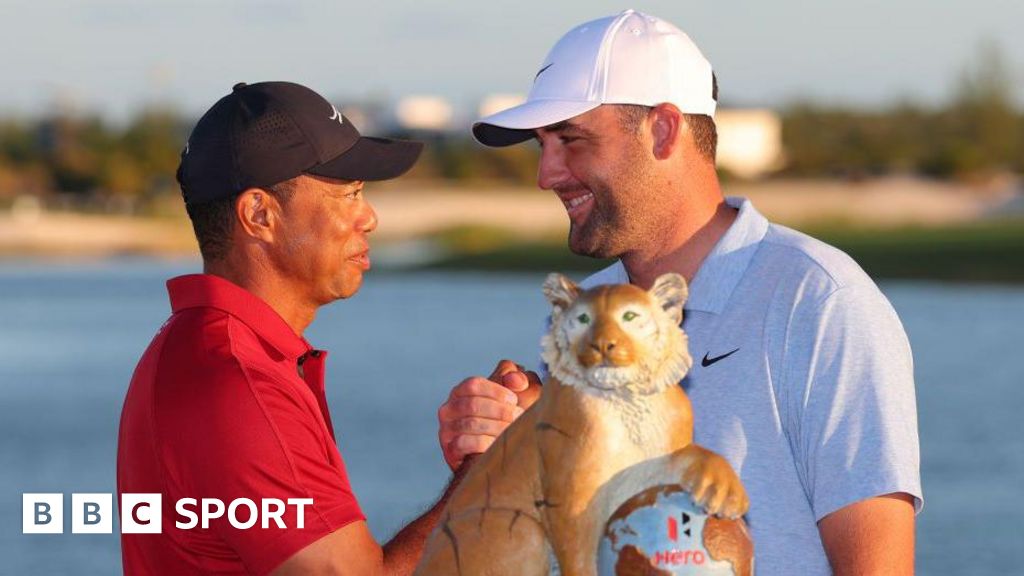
x,y
424,113
749,142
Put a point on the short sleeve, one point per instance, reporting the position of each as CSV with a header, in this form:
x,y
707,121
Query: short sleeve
x,y
261,438
849,365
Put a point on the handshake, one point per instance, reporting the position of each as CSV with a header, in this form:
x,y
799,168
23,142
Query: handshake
x,y
479,409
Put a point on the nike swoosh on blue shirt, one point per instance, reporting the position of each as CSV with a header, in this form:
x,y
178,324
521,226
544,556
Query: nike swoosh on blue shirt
x,y
709,361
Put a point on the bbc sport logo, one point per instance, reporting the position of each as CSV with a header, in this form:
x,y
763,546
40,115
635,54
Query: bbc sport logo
x,y
93,513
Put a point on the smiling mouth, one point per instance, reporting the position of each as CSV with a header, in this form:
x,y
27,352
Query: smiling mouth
x,y
578,205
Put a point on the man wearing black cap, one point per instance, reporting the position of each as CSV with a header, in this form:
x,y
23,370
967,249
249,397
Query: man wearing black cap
x,y
226,451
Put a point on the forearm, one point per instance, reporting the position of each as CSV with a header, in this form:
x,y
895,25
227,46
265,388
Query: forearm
x,y
404,550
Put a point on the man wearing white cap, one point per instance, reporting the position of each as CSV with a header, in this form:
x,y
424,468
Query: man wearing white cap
x,y
806,380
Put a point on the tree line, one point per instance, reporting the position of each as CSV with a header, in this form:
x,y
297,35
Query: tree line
x,y
978,133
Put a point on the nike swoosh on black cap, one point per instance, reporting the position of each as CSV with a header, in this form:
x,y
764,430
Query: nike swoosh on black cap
x,y
265,133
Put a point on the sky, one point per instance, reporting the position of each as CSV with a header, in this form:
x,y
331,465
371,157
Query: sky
x,y
115,57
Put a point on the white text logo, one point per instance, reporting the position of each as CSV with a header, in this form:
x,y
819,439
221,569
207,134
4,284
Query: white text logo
x,y
143,513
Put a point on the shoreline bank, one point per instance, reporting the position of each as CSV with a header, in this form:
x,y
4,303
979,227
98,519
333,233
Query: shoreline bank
x,y
896,228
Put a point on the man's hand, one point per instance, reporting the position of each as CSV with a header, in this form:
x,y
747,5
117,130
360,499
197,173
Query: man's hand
x,y
479,409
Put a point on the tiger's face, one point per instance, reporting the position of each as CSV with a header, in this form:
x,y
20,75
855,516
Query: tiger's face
x,y
617,340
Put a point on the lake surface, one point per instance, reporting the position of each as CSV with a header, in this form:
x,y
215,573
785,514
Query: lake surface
x,y
70,336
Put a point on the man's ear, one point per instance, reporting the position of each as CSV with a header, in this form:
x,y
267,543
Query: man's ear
x,y
258,214
667,128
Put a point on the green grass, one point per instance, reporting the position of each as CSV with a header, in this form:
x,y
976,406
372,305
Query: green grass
x,y
491,249
982,252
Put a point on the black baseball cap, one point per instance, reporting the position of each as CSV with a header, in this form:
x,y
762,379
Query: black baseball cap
x,y
265,133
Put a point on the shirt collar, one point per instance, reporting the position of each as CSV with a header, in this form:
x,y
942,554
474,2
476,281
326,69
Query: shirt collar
x,y
723,268
209,291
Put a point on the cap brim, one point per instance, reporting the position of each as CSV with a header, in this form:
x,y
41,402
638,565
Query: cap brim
x,y
372,159
517,124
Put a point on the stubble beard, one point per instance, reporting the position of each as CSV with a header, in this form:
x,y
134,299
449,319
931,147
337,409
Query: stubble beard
x,y
596,236
619,220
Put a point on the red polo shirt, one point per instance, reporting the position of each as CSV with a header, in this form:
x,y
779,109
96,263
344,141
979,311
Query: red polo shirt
x,y
227,402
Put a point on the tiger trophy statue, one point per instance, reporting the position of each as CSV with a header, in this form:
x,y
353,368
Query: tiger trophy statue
x,y
602,470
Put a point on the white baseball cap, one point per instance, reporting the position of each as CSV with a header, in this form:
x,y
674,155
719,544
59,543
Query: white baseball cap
x,y
630,58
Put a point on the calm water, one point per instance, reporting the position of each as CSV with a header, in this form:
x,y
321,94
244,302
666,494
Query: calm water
x,y
70,337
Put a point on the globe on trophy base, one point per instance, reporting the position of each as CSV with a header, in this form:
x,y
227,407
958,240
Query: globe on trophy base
x,y
660,531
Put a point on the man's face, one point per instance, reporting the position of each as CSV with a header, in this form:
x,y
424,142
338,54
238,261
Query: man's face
x,y
323,232
602,175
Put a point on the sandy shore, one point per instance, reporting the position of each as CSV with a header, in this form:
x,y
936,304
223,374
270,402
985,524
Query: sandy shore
x,y
875,203
68,235
411,212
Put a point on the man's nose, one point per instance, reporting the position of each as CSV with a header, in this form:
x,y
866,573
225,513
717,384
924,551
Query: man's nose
x,y
369,220
551,171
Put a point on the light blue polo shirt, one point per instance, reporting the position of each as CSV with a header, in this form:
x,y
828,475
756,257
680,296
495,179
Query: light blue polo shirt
x,y
802,378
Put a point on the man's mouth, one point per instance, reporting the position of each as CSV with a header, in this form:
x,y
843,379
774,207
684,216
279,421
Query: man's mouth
x,y
362,260
578,204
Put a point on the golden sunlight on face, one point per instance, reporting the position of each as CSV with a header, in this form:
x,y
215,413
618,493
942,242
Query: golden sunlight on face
x,y
325,247
600,173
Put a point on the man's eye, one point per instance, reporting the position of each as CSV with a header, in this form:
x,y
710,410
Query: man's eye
x,y
628,316
568,139
583,319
